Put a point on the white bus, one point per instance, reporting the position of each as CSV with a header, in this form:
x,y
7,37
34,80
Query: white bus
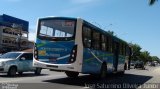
x,y
75,46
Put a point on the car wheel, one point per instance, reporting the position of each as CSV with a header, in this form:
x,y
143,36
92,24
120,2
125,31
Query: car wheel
x,y
12,71
38,71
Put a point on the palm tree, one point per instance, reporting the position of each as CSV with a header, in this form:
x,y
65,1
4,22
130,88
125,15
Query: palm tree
x,y
151,2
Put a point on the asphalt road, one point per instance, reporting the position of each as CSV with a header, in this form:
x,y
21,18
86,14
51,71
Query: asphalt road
x,y
133,79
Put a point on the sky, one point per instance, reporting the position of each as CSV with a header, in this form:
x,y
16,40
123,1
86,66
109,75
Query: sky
x,y
131,20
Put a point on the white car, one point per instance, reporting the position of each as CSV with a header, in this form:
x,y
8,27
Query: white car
x,y
13,62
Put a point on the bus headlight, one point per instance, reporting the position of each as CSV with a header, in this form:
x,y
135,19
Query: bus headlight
x,y
35,52
73,54
35,57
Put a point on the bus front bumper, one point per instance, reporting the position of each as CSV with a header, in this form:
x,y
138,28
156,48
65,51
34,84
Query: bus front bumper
x,y
56,67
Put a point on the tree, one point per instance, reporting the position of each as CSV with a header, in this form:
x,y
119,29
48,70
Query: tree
x,y
151,2
145,56
111,32
155,58
135,51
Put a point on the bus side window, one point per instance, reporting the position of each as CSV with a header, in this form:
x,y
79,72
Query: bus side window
x,y
115,46
96,40
110,44
127,50
120,48
107,43
124,48
87,37
103,43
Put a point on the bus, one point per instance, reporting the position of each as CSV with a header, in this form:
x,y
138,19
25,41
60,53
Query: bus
x,y
74,46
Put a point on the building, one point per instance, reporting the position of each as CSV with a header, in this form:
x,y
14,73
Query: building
x,y
13,33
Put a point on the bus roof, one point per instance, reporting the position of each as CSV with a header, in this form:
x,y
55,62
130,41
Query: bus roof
x,y
51,17
88,23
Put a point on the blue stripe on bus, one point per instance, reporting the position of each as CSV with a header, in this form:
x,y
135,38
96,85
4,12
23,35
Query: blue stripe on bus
x,y
92,65
54,52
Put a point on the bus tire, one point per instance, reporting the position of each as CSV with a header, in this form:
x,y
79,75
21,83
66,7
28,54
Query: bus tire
x,y
37,71
72,74
103,72
125,66
12,71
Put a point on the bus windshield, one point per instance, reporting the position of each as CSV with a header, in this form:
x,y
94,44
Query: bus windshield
x,y
54,28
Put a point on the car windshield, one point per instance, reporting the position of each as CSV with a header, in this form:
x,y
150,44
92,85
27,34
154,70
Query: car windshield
x,y
10,55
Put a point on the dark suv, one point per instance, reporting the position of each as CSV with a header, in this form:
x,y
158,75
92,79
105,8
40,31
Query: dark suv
x,y
139,64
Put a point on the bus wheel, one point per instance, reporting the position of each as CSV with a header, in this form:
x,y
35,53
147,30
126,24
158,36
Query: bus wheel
x,y
125,66
103,71
37,71
72,74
